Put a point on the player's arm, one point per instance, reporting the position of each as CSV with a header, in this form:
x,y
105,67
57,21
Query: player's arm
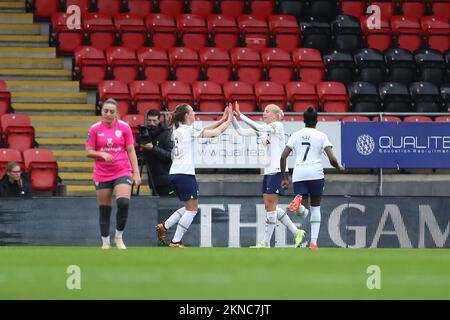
x,y
134,164
241,131
222,120
210,133
91,153
332,159
284,181
252,124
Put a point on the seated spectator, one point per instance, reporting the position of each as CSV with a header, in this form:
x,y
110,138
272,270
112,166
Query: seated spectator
x,y
14,183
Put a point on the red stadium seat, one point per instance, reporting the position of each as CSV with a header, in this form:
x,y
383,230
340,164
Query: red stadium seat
x,y
145,95
109,7
18,133
442,119
437,32
154,64
131,29
202,7
171,7
441,8
387,119
377,38
5,98
208,96
42,169
417,119
192,30
8,155
140,7
99,29
216,64
328,118
332,96
262,8
44,9
122,63
206,117
254,30
247,64
162,29
308,65
64,38
232,7
355,119
354,8
285,31
278,65
84,5
387,8
223,30
268,92
301,95
174,93
408,32
413,9
117,90
185,63
90,66
134,120
292,118
243,93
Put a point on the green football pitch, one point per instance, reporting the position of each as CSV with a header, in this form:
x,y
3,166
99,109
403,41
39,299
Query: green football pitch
x,y
223,273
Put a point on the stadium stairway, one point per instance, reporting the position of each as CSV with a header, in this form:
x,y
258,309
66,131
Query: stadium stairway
x,y
41,86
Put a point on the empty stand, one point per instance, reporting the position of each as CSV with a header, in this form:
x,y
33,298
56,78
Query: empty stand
x,y
131,30
140,7
332,96
254,31
395,97
285,31
18,133
268,92
232,7
42,169
122,63
89,66
109,7
370,65
162,29
308,65
5,98
208,96
437,32
316,34
417,119
185,64
174,93
243,93
172,7
364,97
145,95
354,8
278,65
407,31
65,38
431,65
262,8
301,95
247,64
117,90
202,7
425,97
223,31
216,64
347,34
99,29
400,65
376,36
192,30
154,64
339,66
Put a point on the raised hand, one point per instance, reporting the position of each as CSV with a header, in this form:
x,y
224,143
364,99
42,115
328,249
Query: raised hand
x,y
237,111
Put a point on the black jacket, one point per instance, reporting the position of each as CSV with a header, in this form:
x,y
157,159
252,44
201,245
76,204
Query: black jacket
x,y
159,159
8,189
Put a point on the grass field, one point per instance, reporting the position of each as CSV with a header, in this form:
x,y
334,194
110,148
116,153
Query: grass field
x,y
223,273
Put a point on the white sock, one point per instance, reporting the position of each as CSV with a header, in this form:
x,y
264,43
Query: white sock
x,y
315,223
119,233
271,223
174,218
183,225
283,217
302,210
105,240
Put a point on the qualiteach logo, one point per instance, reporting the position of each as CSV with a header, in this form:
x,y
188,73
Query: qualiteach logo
x,y
365,144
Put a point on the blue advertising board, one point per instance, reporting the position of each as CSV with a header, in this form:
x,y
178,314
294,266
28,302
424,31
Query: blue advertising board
x,y
395,145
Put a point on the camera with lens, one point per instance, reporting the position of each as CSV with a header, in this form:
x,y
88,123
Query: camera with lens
x,y
146,134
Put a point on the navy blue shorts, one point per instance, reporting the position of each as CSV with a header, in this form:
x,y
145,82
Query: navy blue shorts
x,y
185,185
313,188
112,183
272,184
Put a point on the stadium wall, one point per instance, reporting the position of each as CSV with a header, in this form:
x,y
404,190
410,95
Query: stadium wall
x,y
353,222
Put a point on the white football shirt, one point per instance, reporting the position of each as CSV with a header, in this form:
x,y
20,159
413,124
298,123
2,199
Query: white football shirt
x,y
183,161
309,145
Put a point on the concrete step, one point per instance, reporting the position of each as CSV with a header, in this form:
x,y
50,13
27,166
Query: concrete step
x,y
24,41
23,52
52,109
75,175
61,132
31,63
89,190
40,86
35,74
62,143
48,97
78,166
12,6
14,18
18,29
70,155
65,121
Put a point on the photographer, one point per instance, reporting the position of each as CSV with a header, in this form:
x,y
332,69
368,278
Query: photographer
x,y
155,139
